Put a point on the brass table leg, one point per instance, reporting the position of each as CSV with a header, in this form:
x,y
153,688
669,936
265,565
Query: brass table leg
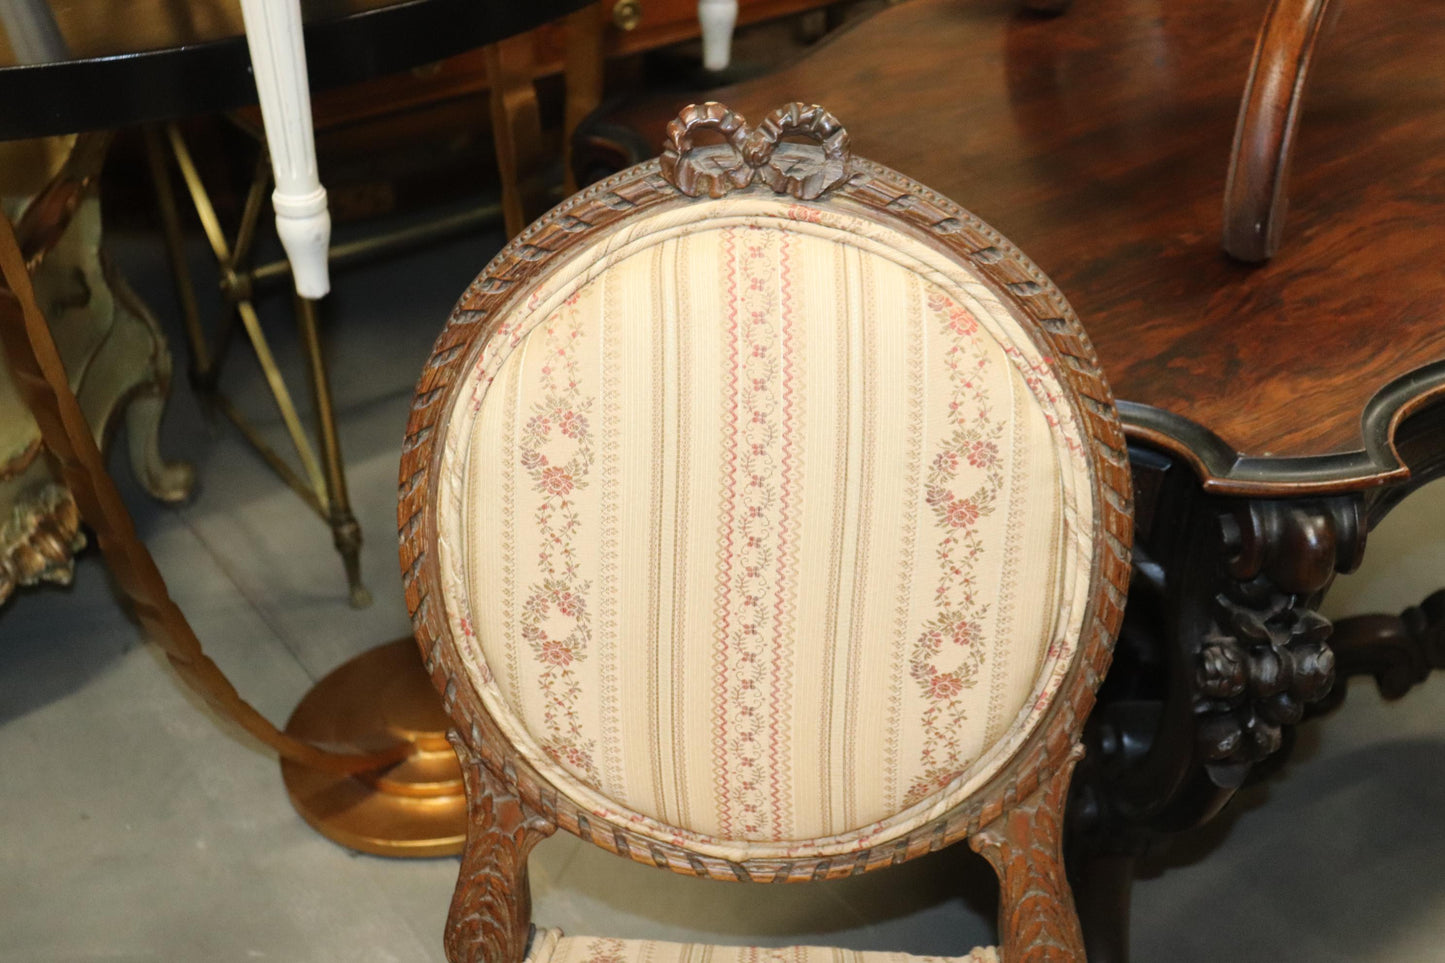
x,y
345,531
321,483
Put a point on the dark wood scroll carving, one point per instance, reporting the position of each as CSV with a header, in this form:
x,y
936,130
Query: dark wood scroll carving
x,y
1265,655
1222,651
1256,192
1399,651
1037,922
491,915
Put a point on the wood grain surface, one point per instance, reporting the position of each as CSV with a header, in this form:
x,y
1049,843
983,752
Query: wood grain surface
x,y
1099,142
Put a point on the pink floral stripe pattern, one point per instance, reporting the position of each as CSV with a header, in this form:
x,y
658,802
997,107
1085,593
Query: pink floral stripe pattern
x,y
949,650
756,568
549,946
556,452
767,530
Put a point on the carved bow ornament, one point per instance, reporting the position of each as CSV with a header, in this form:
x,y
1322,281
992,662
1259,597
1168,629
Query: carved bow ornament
x,y
748,154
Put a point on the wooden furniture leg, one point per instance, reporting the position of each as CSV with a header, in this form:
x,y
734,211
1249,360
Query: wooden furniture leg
x,y
491,914
583,74
517,128
1399,651
1037,922
44,385
111,345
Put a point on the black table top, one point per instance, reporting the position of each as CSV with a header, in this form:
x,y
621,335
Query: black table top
x,y
74,65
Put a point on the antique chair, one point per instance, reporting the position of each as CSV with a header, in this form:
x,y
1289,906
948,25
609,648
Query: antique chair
x,y
763,517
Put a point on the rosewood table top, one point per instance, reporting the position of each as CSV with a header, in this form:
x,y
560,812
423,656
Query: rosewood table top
x,y
1099,141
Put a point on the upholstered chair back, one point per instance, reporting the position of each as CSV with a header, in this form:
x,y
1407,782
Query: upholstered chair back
x,y
764,515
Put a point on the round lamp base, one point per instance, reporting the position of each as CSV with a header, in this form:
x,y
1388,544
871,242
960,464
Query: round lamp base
x,y
416,808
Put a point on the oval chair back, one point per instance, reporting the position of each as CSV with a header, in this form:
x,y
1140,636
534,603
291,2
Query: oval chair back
x,y
764,516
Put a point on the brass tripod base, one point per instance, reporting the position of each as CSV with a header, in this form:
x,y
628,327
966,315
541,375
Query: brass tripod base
x,y
416,808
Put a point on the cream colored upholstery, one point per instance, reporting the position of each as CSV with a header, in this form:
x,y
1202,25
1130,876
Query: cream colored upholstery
x,y
550,946
764,528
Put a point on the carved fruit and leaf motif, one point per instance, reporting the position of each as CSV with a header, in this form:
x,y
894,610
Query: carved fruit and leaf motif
x,y
1265,656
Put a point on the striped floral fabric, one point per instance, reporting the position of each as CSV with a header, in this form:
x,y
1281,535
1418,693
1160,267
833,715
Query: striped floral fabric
x,y
550,946
767,529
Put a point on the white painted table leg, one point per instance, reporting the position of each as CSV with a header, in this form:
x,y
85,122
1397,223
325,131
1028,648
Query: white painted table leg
x,y
717,19
273,30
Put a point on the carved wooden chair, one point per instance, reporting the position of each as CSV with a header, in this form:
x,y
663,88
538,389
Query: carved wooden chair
x,y
764,517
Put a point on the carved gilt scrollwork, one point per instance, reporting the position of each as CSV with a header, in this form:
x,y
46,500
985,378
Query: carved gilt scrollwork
x,y
1265,655
39,540
760,154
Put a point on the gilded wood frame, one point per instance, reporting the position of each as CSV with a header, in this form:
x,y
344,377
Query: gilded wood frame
x,y
1015,819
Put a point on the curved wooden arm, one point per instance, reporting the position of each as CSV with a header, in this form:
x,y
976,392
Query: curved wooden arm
x,y
1255,195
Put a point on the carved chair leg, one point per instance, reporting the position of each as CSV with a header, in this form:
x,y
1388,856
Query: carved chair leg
x,y
491,915
1037,920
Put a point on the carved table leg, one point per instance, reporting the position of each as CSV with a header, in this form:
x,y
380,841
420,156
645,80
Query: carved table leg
x,y
1223,650
1103,886
1264,656
491,914
1400,651
118,362
167,481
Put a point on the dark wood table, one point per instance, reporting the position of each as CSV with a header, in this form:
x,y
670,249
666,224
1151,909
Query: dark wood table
x,y
147,60
1276,411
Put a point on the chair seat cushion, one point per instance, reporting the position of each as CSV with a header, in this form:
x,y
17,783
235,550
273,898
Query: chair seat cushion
x,y
550,946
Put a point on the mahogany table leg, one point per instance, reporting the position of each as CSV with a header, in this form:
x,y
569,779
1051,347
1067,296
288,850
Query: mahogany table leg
x,y
1103,885
1399,651
1222,653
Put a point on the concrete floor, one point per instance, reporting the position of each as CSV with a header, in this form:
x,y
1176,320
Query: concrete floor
x,y
134,826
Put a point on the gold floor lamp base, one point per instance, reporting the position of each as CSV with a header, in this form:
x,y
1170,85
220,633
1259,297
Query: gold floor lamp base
x,y
416,808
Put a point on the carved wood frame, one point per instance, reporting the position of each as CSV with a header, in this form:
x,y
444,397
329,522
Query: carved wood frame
x,y
1036,916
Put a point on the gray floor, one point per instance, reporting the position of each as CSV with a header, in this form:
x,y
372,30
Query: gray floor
x,y
133,826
